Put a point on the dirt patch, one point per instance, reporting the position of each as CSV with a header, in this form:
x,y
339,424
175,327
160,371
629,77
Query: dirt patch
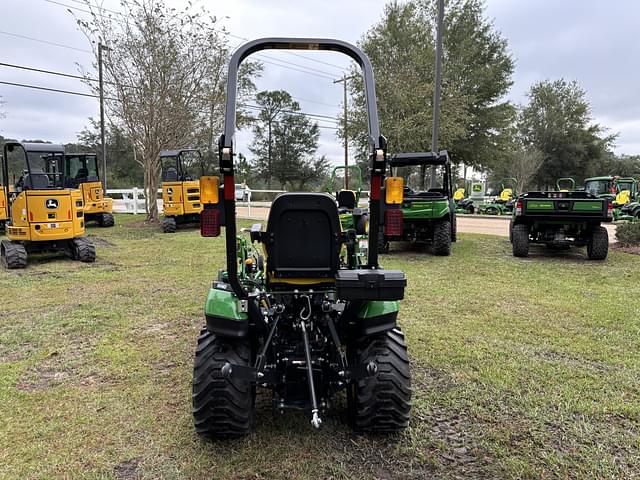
x,y
127,470
632,249
101,242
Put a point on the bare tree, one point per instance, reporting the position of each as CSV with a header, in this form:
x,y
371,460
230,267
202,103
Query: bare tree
x,y
164,77
524,167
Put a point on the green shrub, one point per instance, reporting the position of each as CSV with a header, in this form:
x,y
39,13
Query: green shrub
x,y
628,233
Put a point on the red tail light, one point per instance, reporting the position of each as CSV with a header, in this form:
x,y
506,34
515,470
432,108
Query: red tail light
x,y
519,207
210,222
609,209
393,220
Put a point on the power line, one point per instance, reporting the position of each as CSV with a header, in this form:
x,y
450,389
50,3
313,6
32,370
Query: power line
x,y
79,77
45,41
70,92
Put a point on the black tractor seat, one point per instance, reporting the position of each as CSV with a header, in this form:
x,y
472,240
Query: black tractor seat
x,y
303,236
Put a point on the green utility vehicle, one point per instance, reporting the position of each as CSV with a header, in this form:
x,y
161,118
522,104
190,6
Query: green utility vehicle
x,y
503,204
423,216
292,318
561,219
352,217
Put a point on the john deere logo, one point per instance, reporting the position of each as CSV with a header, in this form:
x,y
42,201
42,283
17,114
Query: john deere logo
x,y
477,188
169,191
51,203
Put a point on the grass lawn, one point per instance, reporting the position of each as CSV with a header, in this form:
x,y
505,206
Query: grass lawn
x,y
522,368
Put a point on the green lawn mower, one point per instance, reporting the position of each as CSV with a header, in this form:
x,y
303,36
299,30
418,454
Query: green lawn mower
x,y
352,217
287,315
503,205
463,203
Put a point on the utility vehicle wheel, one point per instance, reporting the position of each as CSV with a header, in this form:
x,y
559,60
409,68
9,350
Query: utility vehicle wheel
x,y
382,403
106,220
13,254
471,209
222,407
169,225
454,227
83,250
442,238
520,240
598,244
383,244
362,225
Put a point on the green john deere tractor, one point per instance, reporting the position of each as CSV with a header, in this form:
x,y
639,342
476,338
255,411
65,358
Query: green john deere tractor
x,y
352,217
287,315
412,215
503,204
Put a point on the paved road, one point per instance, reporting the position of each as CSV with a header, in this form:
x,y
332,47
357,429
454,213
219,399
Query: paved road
x,y
486,225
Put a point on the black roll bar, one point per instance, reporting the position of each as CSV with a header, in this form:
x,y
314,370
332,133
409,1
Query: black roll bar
x,y
377,143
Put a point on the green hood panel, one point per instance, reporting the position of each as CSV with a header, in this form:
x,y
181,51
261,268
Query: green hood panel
x,y
221,303
377,308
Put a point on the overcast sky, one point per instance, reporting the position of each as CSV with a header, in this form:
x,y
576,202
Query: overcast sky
x,y
591,41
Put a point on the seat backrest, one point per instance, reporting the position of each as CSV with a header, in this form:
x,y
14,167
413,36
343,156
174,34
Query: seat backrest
x,y
347,199
303,236
82,173
624,196
37,180
170,175
459,194
506,194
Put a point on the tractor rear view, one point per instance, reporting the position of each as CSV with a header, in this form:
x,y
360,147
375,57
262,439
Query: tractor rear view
x,y
286,314
180,187
413,215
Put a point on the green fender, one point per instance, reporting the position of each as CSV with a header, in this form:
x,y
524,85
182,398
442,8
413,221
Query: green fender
x,y
223,304
377,316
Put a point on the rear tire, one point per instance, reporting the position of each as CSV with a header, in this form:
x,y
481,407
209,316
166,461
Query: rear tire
x,y
598,244
106,220
382,402
520,240
442,238
362,225
83,250
222,407
13,255
169,225
383,244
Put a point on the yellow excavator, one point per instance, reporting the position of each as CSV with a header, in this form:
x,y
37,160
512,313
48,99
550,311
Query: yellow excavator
x,y
81,172
181,172
42,215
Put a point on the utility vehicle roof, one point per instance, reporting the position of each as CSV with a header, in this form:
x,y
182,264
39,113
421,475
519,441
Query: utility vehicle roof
x,y
79,154
419,158
175,153
39,147
606,177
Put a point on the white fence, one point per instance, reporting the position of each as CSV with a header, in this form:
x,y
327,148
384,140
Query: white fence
x,y
132,200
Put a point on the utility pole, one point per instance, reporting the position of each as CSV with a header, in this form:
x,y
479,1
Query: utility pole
x,y
436,91
346,138
102,47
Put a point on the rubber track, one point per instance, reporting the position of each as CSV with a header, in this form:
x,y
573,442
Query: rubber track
x,y
15,255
